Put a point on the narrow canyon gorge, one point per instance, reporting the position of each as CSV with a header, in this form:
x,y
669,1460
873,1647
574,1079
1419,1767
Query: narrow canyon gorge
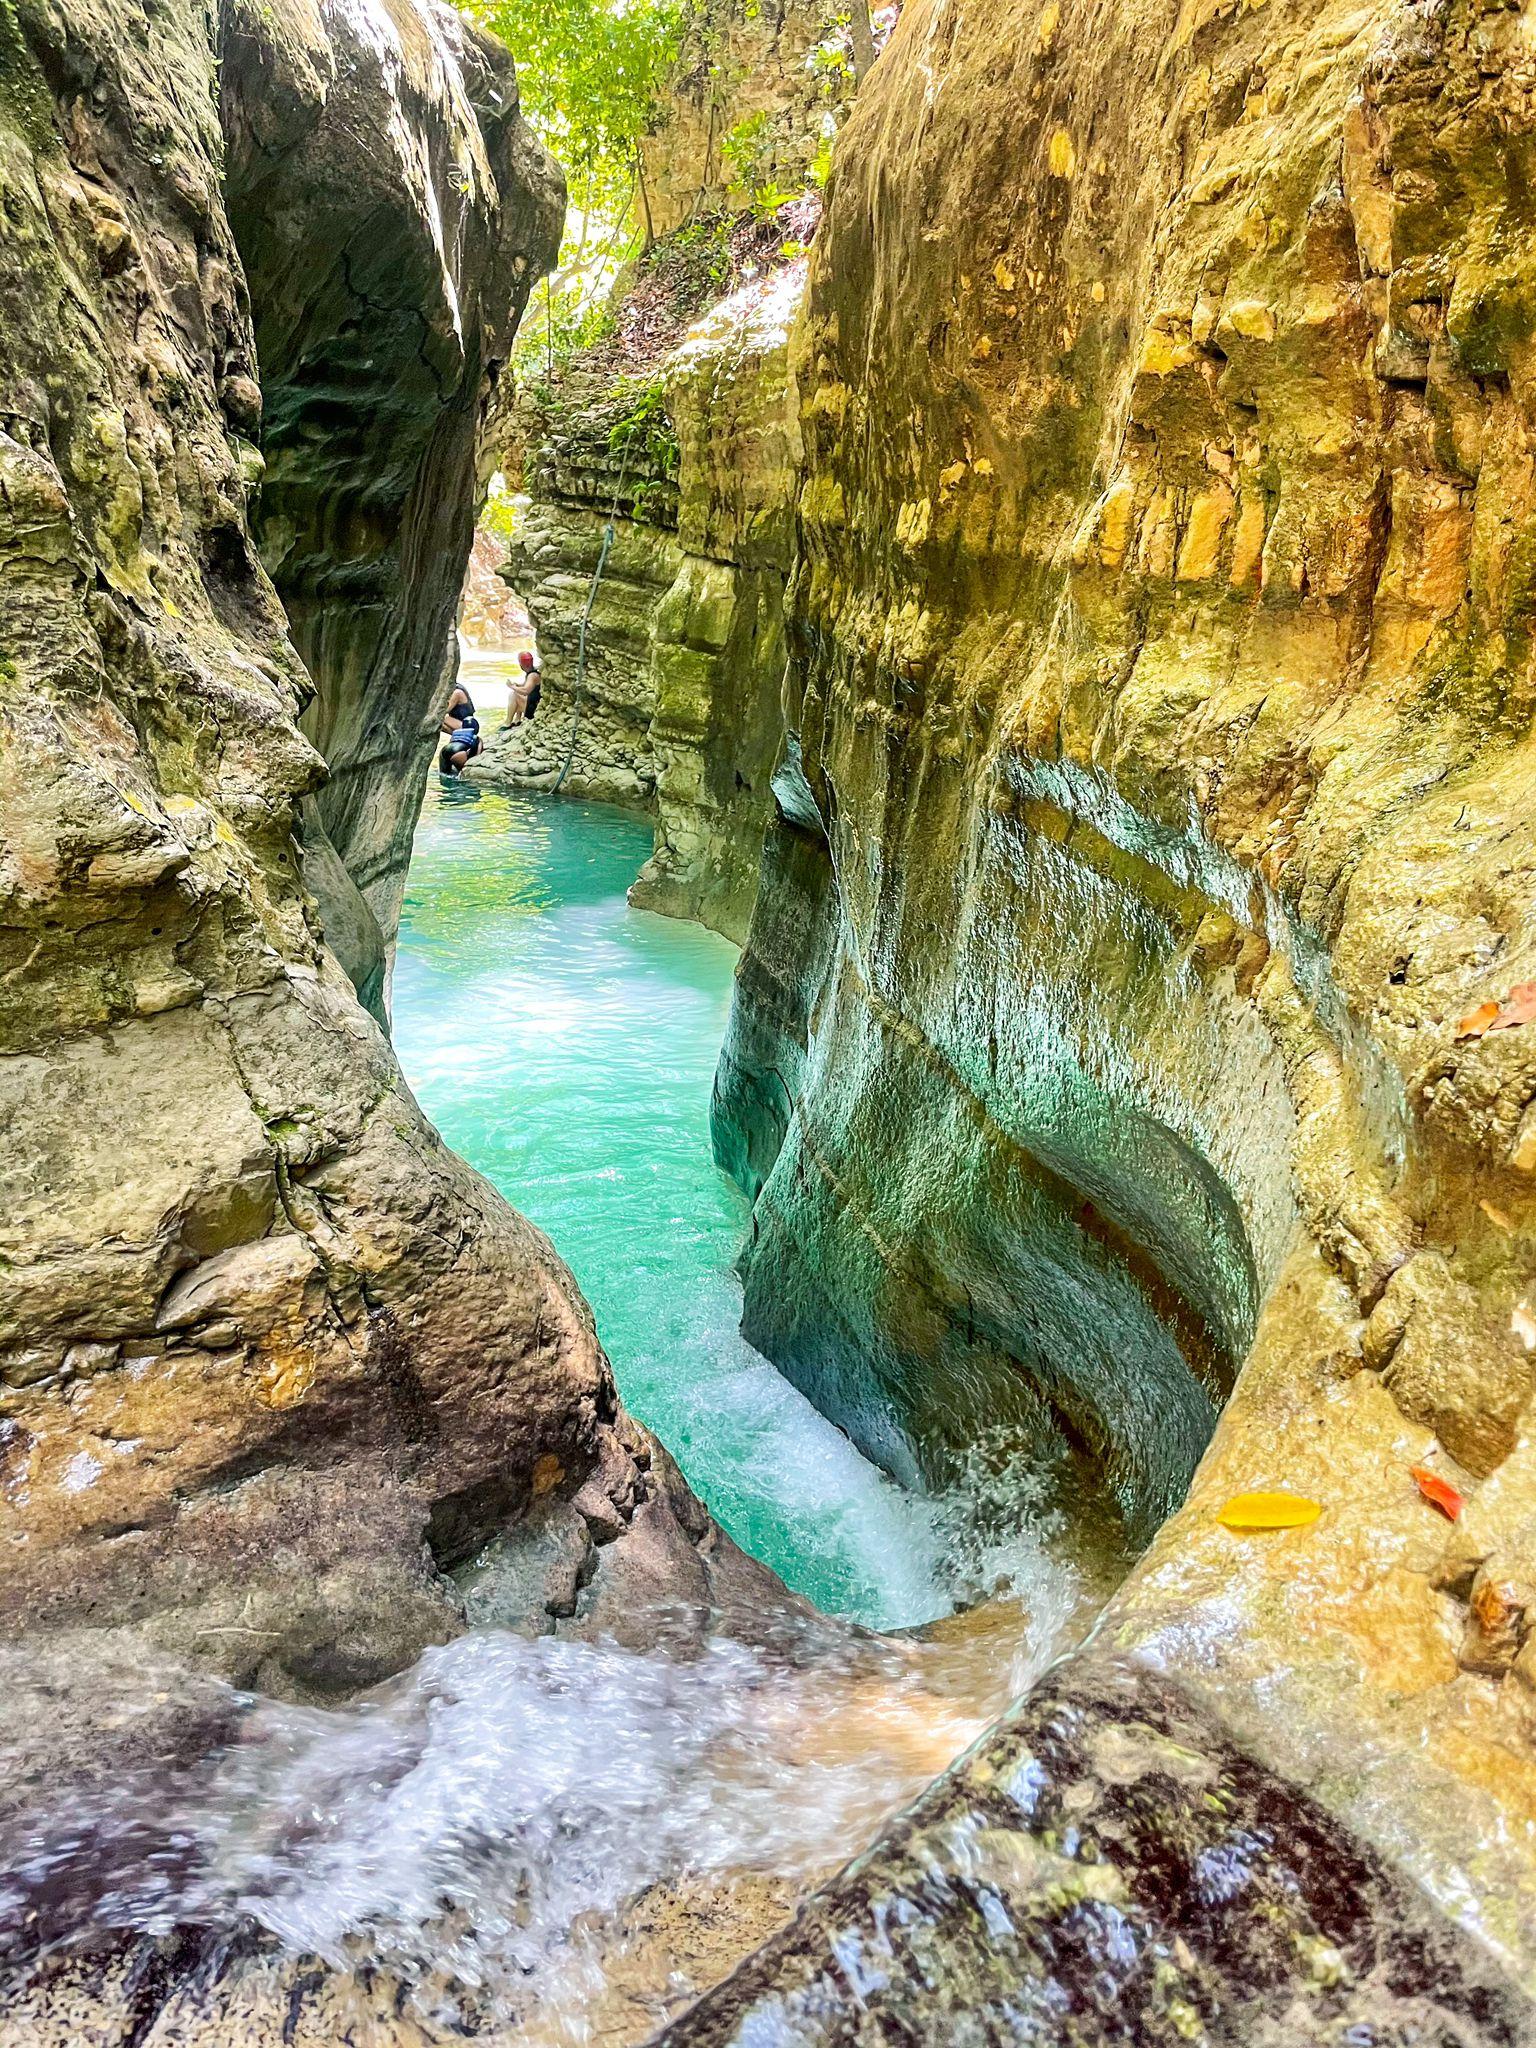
x,y
1038,539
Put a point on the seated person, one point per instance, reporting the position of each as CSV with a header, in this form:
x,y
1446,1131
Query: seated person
x,y
524,691
462,728
461,706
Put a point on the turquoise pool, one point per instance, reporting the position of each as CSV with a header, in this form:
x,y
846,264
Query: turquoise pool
x,y
565,1043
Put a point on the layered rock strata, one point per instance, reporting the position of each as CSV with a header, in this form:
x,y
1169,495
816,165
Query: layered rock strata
x,y
1131,1028
678,708
272,1360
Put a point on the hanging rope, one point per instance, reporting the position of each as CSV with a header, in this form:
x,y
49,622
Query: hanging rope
x,y
609,537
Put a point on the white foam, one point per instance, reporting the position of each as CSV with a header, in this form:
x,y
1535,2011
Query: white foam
x,y
482,1823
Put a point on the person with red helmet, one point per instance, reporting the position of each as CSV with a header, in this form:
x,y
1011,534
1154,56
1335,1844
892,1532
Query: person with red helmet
x,y
524,690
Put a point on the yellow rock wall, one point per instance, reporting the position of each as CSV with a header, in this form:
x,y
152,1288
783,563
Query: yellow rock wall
x,y
1161,802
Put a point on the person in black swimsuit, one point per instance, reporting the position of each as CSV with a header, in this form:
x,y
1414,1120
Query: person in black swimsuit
x,y
524,691
463,730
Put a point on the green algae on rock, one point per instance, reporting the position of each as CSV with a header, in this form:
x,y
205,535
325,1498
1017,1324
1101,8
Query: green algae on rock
x,y
244,1414
1156,800
680,708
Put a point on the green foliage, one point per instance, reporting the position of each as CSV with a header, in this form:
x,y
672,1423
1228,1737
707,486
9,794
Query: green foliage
x,y
643,436
589,72
694,262
832,61
748,152
499,513
745,150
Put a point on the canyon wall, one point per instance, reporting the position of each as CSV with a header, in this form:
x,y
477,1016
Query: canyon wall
x,y
273,1362
389,255
679,709
755,97
1132,1028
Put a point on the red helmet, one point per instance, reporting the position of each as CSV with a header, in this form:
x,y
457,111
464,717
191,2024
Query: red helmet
x,y
525,662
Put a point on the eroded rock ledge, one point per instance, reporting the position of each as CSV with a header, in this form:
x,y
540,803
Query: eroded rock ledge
x,y
1156,803
273,1360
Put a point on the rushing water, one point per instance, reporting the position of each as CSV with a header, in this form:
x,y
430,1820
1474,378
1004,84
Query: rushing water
x,y
565,1043
561,1837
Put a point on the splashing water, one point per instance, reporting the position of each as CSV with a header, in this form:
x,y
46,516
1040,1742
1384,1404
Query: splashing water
x,y
481,1829
565,1044
492,1828
509,1796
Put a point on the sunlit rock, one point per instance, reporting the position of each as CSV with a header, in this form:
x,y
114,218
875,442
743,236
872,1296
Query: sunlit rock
x,y
1156,806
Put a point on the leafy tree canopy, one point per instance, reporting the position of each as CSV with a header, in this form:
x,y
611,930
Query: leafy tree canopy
x,y
589,72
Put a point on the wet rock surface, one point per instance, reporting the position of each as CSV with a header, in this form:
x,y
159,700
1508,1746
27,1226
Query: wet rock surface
x,y
1106,1866
388,261
1112,1058
1153,828
272,1359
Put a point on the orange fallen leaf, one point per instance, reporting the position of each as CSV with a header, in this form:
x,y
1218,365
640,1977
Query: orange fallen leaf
x,y
1494,1215
1493,1606
1477,1021
1269,1511
1438,1492
1519,1008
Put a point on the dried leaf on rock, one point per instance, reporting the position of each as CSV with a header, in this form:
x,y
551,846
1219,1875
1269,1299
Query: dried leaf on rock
x,y
1269,1511
1438,1492
1519,1008
1493,1606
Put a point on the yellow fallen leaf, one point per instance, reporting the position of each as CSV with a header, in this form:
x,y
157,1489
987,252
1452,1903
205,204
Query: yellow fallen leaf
x,y
1062,154
1497,1216
1005,277
1269,1511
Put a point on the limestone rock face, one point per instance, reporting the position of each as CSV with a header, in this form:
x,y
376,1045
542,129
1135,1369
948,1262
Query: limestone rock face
x,y
272,1360
680,708
1156,805
491,621
553,560
388,262
756,94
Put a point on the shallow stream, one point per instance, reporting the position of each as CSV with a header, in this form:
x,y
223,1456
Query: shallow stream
x,y
559,1841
